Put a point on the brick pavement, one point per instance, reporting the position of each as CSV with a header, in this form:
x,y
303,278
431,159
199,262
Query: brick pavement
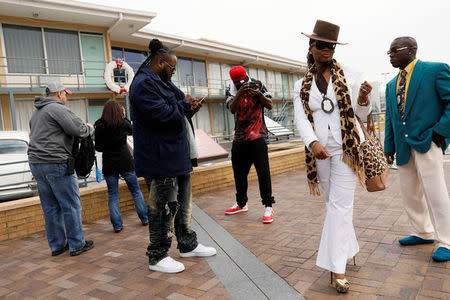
x,y
117,267
384,269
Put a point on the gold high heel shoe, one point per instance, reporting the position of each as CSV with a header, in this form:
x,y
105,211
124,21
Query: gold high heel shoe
x,y
341,285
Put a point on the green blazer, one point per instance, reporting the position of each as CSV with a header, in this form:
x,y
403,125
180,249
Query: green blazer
x,y
427,110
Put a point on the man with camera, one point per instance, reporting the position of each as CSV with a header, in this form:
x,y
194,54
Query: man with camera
x,y
246,99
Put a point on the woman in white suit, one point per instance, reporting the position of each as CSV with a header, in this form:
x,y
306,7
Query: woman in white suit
x,y
325,103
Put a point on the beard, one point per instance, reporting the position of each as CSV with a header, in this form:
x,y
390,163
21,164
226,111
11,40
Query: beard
x,y
166,75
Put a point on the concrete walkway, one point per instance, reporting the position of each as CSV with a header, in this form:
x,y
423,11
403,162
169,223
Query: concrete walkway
x,y
254,261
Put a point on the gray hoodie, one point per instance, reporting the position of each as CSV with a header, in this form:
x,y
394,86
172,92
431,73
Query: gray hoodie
x,y
53,127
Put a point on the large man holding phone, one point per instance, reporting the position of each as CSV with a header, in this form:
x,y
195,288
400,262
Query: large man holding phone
x,y
162,155
246,98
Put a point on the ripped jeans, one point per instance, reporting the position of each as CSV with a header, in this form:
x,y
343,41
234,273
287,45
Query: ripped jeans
x,y
169,210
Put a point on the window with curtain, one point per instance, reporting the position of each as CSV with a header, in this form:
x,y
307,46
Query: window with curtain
x,y
78,107
271,85
175,79
200,78
223,119
116,53
63,51
202,119
284,79
262,77
186,75
24,109
278,86
215,77
253,73
293,79
134,58
225,70
24,49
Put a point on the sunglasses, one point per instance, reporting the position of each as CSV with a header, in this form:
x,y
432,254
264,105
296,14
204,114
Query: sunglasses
x,y
395,50
322,45
172,68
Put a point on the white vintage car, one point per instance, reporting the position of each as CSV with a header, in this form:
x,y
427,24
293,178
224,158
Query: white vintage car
x,y
15,177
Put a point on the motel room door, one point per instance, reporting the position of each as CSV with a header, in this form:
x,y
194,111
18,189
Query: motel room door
x,y
94,59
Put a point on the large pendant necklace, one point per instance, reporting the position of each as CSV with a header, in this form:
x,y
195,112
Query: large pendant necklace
x,y
327,104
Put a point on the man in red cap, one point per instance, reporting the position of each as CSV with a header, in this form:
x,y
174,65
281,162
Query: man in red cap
x,y
246,99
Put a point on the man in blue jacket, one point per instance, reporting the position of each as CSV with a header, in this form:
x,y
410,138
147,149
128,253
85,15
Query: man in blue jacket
x,y
162,156
418,131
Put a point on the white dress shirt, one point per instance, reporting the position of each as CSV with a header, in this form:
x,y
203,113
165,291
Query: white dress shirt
x,y
327,125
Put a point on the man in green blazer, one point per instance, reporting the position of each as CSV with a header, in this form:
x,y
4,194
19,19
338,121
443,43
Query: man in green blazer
x,y
417,131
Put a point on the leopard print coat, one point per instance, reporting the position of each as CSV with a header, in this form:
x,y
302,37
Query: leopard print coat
x,y
350,137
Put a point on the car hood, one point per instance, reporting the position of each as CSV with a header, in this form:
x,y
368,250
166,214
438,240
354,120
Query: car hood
x,y
7,158
14,178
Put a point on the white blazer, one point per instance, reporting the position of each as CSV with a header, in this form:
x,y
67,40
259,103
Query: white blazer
x,y
326,125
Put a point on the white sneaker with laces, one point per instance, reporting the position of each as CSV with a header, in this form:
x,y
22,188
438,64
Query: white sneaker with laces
x,y
268,215
167,265
235,209
201,251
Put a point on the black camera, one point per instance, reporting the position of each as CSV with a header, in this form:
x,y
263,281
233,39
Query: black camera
x,y
254,85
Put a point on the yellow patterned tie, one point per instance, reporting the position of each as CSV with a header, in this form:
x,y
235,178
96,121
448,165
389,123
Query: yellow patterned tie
x,y
401,95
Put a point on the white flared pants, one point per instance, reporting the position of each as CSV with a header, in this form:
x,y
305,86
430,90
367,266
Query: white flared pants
x,y
338,181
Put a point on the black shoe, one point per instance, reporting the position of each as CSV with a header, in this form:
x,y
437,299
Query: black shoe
x,y
87,246
145,223
118,230
60,251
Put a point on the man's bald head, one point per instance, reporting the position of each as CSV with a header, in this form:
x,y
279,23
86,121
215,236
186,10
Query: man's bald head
x,y
402,51
407,41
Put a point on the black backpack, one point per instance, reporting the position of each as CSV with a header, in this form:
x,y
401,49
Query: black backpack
x,y
83,153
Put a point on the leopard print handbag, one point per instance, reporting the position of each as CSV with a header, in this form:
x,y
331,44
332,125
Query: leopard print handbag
x,y
375,164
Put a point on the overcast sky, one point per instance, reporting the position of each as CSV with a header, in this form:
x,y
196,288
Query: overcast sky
x,y
274,26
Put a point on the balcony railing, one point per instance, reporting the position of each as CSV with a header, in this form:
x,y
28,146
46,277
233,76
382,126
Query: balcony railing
x,y
33,74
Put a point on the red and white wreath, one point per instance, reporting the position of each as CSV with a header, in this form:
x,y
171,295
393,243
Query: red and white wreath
x,y
113,86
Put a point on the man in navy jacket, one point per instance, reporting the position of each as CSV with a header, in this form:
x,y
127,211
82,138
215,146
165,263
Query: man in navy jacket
x,y
161,155
418,131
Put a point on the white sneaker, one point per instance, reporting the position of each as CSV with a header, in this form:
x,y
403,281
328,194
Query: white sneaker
x,y
235,209
268,215
167,265
201,251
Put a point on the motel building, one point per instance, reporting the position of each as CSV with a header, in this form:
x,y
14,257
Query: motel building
x,y
42,40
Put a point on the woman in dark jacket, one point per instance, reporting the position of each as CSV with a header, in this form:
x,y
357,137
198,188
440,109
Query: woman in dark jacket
x,y
111,132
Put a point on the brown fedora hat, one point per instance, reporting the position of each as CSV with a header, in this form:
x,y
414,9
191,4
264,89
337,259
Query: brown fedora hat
x,y
326,32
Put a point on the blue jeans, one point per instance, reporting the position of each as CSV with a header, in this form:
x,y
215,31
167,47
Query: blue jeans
x,y
60,200
170,209
113,197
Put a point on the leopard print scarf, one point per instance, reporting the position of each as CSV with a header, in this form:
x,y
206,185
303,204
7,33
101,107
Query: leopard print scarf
x,y
350,137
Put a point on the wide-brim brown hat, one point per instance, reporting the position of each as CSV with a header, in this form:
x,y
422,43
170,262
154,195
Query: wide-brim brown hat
x,y
326,32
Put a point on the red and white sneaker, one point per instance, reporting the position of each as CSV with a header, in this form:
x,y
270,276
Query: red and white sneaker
x,y
268,215
235,209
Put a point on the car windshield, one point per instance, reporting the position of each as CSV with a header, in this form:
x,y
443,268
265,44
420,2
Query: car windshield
x,y
13,147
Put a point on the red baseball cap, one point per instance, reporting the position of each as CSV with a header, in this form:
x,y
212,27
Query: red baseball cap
x,y
238,73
